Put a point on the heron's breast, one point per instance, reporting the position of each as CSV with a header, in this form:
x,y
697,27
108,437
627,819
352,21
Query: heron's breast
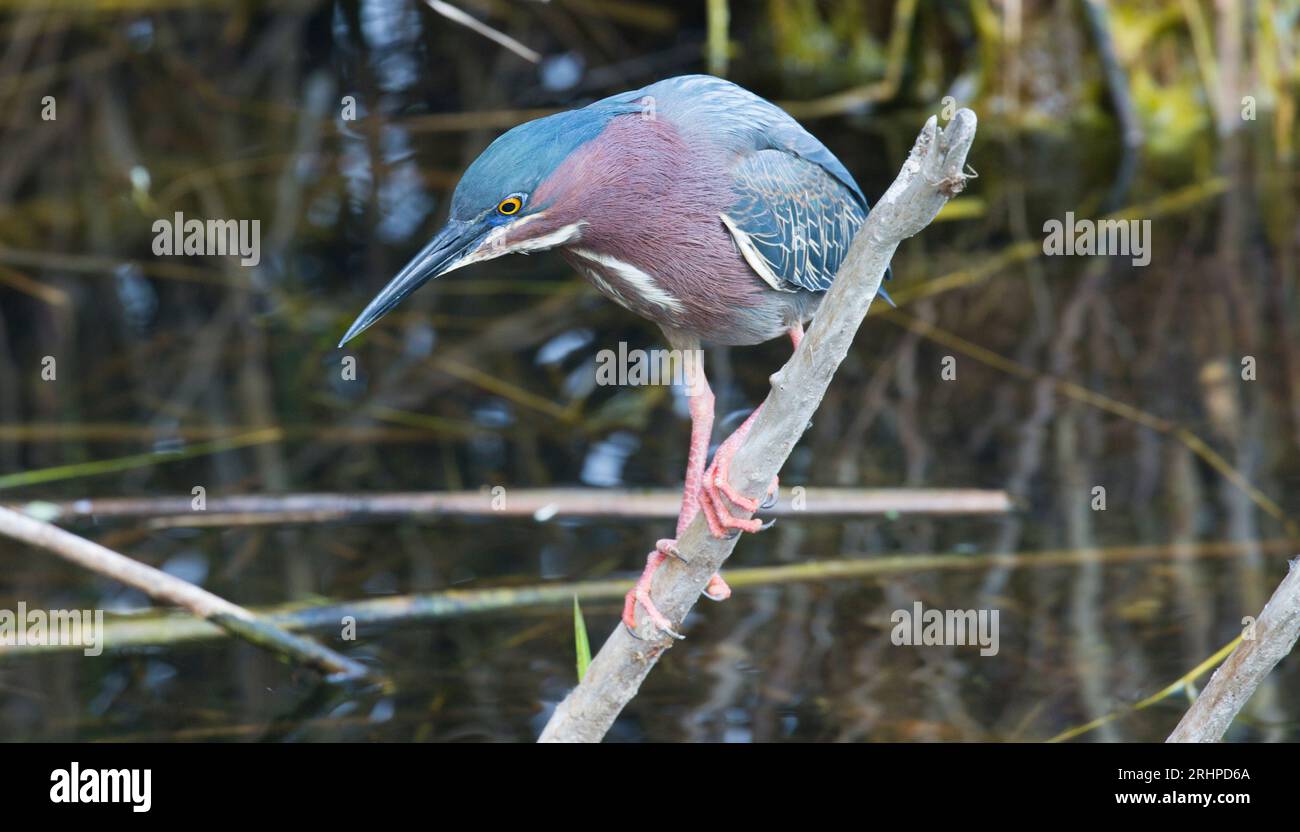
x,y
725,305
653,239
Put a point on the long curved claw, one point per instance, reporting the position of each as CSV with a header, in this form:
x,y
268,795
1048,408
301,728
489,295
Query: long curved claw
x,y
640,593
666,630
717,590
668,546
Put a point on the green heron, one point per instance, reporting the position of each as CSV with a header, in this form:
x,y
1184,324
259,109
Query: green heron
x,y
691,202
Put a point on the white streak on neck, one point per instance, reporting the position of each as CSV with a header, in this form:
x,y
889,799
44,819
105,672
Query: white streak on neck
x,y
558,237
491,248
642,284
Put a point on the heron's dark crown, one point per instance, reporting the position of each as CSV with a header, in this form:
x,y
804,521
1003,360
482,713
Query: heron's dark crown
x,y
523,157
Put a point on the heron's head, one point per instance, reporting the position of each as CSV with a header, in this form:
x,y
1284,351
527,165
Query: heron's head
x,y
503,205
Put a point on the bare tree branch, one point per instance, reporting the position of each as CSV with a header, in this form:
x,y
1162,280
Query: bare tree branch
x,y
542,504
160,586
1230,688
933,173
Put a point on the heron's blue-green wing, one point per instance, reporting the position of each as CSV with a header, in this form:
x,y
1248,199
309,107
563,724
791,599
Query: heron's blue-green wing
x,y
791,220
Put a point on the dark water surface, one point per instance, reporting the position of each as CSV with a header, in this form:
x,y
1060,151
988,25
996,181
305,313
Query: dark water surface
x,y
1071,373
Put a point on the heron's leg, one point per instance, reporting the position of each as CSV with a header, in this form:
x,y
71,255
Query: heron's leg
x,y
717,479
700,403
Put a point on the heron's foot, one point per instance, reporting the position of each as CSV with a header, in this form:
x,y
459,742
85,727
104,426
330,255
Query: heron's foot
x,y
716,490
640,594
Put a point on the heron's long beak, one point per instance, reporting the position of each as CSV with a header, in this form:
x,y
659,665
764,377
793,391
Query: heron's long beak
x,y
450,249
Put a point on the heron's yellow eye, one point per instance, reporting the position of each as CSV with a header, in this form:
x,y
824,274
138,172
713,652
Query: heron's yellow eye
x,y
510,205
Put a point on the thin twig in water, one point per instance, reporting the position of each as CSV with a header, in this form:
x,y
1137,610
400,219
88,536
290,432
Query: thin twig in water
x,y
1263,645
1182,683
455,15
154,628
1103,402
160,586
48,294
541,504
147,460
